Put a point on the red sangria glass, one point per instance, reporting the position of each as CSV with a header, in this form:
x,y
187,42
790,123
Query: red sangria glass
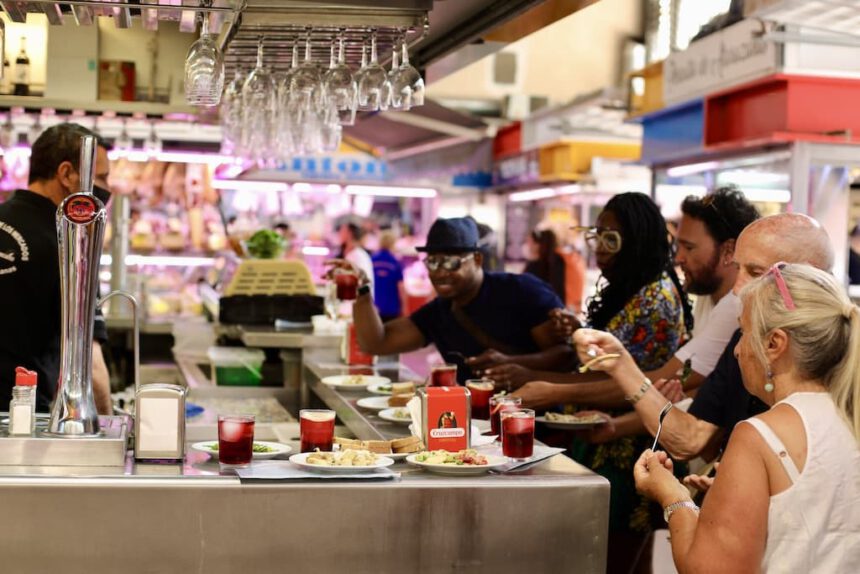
x,y
518,433
347,285
481,390
316,428
443,376
235,440
498,405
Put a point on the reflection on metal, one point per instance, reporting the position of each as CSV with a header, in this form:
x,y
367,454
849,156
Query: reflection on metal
x,y
54,13
81,220
83,15
17,11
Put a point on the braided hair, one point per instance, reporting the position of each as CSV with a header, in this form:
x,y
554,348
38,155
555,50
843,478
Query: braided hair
x,y
645,254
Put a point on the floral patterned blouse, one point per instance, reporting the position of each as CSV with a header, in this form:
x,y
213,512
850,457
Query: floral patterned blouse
x,y
651,327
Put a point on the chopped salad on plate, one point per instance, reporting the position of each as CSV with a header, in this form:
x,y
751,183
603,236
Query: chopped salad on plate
x,y
466,457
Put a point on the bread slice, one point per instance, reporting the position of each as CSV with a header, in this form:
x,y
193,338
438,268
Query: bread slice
x,y
407,444
378,446
407,388
399,400
346,443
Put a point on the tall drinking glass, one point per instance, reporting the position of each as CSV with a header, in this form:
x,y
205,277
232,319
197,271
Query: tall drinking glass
x,y
481,391
408,83
259,98
498,405
518,433
316,428
443,375
204,70
305,84
235,440
340,88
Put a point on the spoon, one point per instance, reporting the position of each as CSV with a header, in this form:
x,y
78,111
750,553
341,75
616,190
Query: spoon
x,y
663,413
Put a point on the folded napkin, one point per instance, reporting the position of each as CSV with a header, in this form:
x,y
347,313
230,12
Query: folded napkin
x,y
284,470
539,454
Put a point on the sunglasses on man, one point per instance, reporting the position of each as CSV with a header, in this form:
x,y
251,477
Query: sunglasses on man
x,y
446,262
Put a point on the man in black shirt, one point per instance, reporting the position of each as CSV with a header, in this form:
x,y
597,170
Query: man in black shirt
x,y
29,267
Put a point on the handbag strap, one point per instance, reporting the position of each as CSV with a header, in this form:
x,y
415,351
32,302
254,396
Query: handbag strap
x,y
478,334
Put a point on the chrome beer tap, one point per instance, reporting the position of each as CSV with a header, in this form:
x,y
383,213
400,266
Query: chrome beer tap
x,y
81,221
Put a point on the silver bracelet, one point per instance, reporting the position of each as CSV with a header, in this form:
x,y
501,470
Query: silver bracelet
x,y
669,510
646,384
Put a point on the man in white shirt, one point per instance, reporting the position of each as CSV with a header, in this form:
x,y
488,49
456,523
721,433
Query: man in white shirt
x,y
706,243
350,237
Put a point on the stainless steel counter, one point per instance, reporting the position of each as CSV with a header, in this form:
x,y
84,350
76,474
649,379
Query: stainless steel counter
x,y
191,518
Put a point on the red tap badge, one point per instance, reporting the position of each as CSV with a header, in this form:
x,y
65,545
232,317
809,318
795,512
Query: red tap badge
x,y
80,208
447,418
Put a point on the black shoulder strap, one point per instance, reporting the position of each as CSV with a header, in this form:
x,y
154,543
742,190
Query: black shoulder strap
x,y
478,334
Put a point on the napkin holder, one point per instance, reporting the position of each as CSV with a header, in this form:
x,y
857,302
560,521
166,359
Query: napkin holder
x,y
159,422
446,418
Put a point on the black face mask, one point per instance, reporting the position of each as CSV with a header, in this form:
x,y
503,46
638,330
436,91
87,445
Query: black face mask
x,y
102,194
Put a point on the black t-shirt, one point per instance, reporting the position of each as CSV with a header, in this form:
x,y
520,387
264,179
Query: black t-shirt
x,y
30,295
506,308
722,399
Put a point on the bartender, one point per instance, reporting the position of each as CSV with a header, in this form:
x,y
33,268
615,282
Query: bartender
x,y
29,267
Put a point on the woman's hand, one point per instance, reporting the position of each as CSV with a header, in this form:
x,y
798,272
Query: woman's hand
x,y
701,482
564,323
671,389
591,344
537,395
654,479
599,433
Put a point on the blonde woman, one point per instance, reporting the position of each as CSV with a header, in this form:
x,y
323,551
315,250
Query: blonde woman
x,y
787,496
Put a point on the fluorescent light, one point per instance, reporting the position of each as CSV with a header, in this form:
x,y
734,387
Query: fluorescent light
x,y
250,185
532,194
763,195
161,260
302,187
333,188
690,169
385,191
315,250
142,156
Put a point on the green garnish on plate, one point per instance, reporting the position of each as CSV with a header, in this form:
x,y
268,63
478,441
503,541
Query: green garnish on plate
x,y
262,448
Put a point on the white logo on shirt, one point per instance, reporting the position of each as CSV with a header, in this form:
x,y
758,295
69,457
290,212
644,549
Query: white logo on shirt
x,y
8,258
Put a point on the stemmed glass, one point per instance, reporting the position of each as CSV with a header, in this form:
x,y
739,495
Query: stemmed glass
x,y
372,80
231,113
123,143
152,145
305,83
259,98
395,101
339,87
408,83
204,70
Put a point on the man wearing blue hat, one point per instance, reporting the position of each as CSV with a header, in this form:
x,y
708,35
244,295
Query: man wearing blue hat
x,y
474,311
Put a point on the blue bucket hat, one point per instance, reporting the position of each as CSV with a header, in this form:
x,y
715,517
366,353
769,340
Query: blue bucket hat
x,y
455,235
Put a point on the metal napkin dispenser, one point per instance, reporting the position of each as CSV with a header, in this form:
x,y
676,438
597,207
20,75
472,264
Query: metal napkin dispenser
x,y
159,422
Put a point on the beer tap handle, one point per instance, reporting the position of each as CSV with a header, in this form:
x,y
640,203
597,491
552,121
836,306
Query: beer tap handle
x,y
88,163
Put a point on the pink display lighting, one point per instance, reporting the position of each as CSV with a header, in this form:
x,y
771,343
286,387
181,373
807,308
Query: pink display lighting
x,y
385,191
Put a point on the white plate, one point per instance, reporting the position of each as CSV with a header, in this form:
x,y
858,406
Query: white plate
x,y
375,388
278,449
342,382
301,460
388,415
373,403
561,425
493,461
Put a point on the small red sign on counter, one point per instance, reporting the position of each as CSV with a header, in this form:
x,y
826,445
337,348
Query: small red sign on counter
x,y
352,353
447,418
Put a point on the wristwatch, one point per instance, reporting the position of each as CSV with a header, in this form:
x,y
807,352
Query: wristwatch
x,y
364,289
667,512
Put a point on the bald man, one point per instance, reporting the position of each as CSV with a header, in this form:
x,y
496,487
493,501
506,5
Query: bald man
x,y
722,400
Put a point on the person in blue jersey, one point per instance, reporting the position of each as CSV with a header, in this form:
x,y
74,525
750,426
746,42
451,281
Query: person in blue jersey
x,y
388,292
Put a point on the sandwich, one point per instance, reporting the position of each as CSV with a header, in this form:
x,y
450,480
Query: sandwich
x,y
402,388
399,400
378,446
407,444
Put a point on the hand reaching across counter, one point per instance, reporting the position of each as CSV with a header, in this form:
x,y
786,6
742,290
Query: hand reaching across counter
x,y
671,389
508,376
538,395
592,344
487,359
564,323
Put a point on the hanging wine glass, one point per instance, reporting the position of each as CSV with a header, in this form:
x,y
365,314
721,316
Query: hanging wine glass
x,y
339,87
287,78
331,131
409,84
122,144
305,83
152,144
204,70
259,97
371,81
395,100
231,115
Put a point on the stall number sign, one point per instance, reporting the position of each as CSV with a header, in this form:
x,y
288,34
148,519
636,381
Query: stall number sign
x,y
723,59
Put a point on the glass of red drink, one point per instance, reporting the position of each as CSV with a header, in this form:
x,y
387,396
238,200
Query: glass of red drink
x,y
316,427
235,440
443,376
518,433
498,405
347,284
481,390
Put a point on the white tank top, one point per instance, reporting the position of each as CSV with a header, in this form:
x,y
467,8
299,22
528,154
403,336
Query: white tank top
x,y
814,525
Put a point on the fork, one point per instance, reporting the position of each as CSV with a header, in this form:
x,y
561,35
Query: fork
x,y
663,413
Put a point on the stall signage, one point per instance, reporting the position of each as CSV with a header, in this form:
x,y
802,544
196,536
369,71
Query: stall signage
x,y
521,168
722,60
336,167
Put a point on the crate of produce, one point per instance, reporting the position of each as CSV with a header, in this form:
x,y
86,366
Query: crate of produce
x,y
236,366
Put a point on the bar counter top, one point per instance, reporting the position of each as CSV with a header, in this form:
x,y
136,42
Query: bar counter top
x,y
192,517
